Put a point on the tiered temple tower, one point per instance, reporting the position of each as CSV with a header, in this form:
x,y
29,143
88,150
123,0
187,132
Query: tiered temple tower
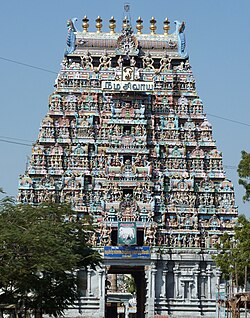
x,y
126,141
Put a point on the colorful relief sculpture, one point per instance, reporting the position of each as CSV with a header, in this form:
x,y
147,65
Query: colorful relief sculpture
x,y
126,141
71,38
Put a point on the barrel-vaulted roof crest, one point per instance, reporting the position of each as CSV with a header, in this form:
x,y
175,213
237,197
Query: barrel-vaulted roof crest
x,y
126,42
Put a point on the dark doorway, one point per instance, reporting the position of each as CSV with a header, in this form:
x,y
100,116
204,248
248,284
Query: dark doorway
x,y
111,310
140,237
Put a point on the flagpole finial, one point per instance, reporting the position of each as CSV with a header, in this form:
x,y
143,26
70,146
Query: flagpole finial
x,y
126,12
112,25
139,25
126,7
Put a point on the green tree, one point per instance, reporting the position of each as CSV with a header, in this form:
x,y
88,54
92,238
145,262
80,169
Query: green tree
x,y
233,256
130,284
4,199
234,252
39,254
244,174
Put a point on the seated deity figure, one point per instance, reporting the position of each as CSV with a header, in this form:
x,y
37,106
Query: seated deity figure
x,y
112,214
150,235
105,234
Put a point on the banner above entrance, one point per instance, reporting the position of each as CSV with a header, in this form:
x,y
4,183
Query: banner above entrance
x,y
127,252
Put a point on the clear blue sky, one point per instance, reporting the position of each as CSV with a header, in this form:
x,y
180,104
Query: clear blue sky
x,y
34,32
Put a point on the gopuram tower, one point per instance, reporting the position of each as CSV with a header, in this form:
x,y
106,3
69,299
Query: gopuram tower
x,y
126,141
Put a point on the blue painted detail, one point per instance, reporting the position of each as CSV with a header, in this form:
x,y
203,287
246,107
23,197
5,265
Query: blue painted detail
x,y
180,27
137,252
71,38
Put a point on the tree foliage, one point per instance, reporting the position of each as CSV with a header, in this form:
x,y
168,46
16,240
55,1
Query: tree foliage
x,y
234,252
130,284
244,174
39,254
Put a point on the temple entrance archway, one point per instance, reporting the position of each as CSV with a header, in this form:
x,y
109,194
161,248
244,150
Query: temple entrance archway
x,y
121,301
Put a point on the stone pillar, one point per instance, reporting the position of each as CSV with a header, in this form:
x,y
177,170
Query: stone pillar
x,y
190,296
100,273
218,275
151,290
196,291
196,272
209,273
203,283
176,281
102,278
153,274
164,278
149,281
104,282
184,289
89,272
176,285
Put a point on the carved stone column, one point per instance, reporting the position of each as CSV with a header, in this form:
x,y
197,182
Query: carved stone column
x,y
153,274
218,275
149,281
102,278
209,273
196,272
101,287
164,278
176,271
182,285
89,272
196,294
190,285
203,277
176,284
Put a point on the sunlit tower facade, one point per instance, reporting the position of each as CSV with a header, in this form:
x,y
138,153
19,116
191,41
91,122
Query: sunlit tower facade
x,y
126,141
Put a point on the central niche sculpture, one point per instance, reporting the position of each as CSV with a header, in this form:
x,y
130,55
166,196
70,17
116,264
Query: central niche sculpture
x,y
128,208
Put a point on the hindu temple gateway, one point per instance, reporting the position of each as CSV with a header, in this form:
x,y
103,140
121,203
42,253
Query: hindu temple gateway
x,y
126,141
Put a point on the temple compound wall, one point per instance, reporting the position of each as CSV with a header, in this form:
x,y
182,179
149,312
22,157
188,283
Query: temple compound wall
x,y
126,141
184,285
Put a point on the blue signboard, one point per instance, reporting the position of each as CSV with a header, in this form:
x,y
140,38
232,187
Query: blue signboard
x,y
127,252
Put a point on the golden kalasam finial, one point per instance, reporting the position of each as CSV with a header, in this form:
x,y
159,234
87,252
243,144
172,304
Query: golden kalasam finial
x,y
98,24
85,23
153,26
139,25
166,26
125,22
112,25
